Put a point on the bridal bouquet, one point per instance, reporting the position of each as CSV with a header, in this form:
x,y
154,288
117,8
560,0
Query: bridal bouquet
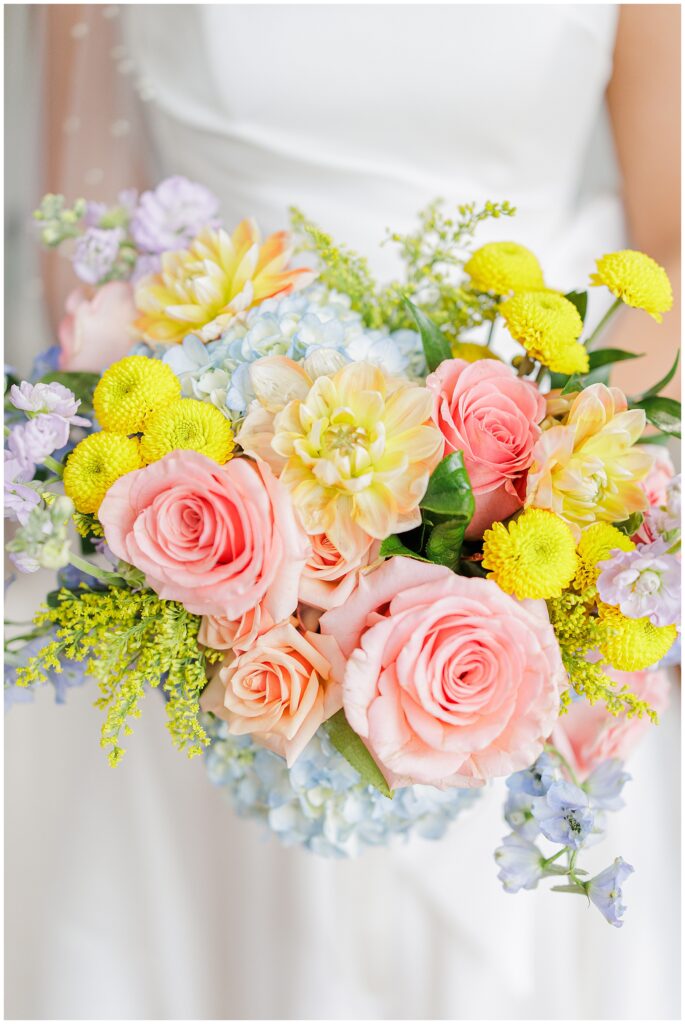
x,y
370,564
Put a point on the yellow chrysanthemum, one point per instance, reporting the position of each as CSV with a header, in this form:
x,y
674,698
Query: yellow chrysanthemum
x,y
595,545
548,326
94,465
504,267
589,468
201,289
359,449
130,390
632,645
470,352
534,556
187,424
637,279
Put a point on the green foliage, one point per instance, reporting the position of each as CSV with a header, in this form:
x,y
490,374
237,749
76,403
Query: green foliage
x,y
630,525
661,412
348,743
579,300
661,384
436,347
129,639
392,545
447,508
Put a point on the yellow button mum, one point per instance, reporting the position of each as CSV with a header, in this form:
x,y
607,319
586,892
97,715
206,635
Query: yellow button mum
x,y
632,645
534,556
504,267
360,449
595,545
637,279
94,465
187,424
130,390
548,326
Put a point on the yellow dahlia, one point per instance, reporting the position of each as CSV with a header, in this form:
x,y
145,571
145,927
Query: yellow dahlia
x,y
632,645
588,468
504,267
200,289
187,424
359,450
637,279
130,390
595,545
548,326
534,556
94,465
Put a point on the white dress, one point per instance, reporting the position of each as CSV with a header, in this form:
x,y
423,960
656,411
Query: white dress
x,y
136,892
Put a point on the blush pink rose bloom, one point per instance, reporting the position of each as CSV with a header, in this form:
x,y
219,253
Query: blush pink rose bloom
x,y
587,734
328,578
219,539
280,690
449,681
97,331
224,634
485,411
656,482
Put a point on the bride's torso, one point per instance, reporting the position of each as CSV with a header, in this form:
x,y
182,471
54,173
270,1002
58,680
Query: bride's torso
x,y
361,115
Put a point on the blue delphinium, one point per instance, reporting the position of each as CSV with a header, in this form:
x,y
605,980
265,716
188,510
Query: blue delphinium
x,y
521,863
320,803
565,816
72,674
605,891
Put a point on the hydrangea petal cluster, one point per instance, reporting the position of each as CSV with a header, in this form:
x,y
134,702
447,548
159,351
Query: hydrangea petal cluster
x,y
589,468
643,582
321,803
170,216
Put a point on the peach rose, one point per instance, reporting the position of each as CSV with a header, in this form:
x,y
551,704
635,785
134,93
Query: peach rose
x,y
219,539
451,681
485,411
587,734
281,690
328,579
224,634
97,331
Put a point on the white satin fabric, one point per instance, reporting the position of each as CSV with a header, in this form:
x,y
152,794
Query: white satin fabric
x,y
136,893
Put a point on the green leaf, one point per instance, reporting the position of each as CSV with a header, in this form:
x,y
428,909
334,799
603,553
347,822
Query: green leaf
x,y
435,345
449,494
574,383
609,356
656,388
348,743
661,439
81,383
444,543
392,545
663,413
579,300
630,525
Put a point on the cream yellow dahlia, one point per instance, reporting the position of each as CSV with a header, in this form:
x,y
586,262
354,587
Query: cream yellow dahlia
x,y
587,469
359,450
200,289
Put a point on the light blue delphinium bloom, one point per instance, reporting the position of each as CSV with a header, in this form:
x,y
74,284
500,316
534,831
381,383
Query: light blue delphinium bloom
x,y
521,863
519,814
72,674
605,891
565,815
605,785
321,803
536,780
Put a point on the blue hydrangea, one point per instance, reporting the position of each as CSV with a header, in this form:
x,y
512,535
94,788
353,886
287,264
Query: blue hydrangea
x,y
294,326
321,803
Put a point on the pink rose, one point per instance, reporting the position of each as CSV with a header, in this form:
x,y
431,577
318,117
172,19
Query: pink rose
x,y
280,690
219,539
328,579
587,734
451,681
96,332
224,634
485,411
656,482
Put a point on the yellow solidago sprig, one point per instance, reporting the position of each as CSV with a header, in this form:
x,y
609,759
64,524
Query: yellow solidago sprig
x,y
504,267
187,424
548,326
631,645
636,279
595,545
130,390
129,638
533,557
95,464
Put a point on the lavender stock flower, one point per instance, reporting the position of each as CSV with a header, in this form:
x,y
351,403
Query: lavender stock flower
x,y
47,398
30,443
96,253
172,215
644,582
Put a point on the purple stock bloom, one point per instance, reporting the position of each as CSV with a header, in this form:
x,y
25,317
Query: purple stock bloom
x,y
172,215
96,253
19,499
565,816
47,398
521,864
605,785
605,891
643,583
30,443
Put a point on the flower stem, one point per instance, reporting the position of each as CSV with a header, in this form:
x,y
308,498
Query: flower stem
x,y
589,344
56,467
572,775
93,570
491,332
